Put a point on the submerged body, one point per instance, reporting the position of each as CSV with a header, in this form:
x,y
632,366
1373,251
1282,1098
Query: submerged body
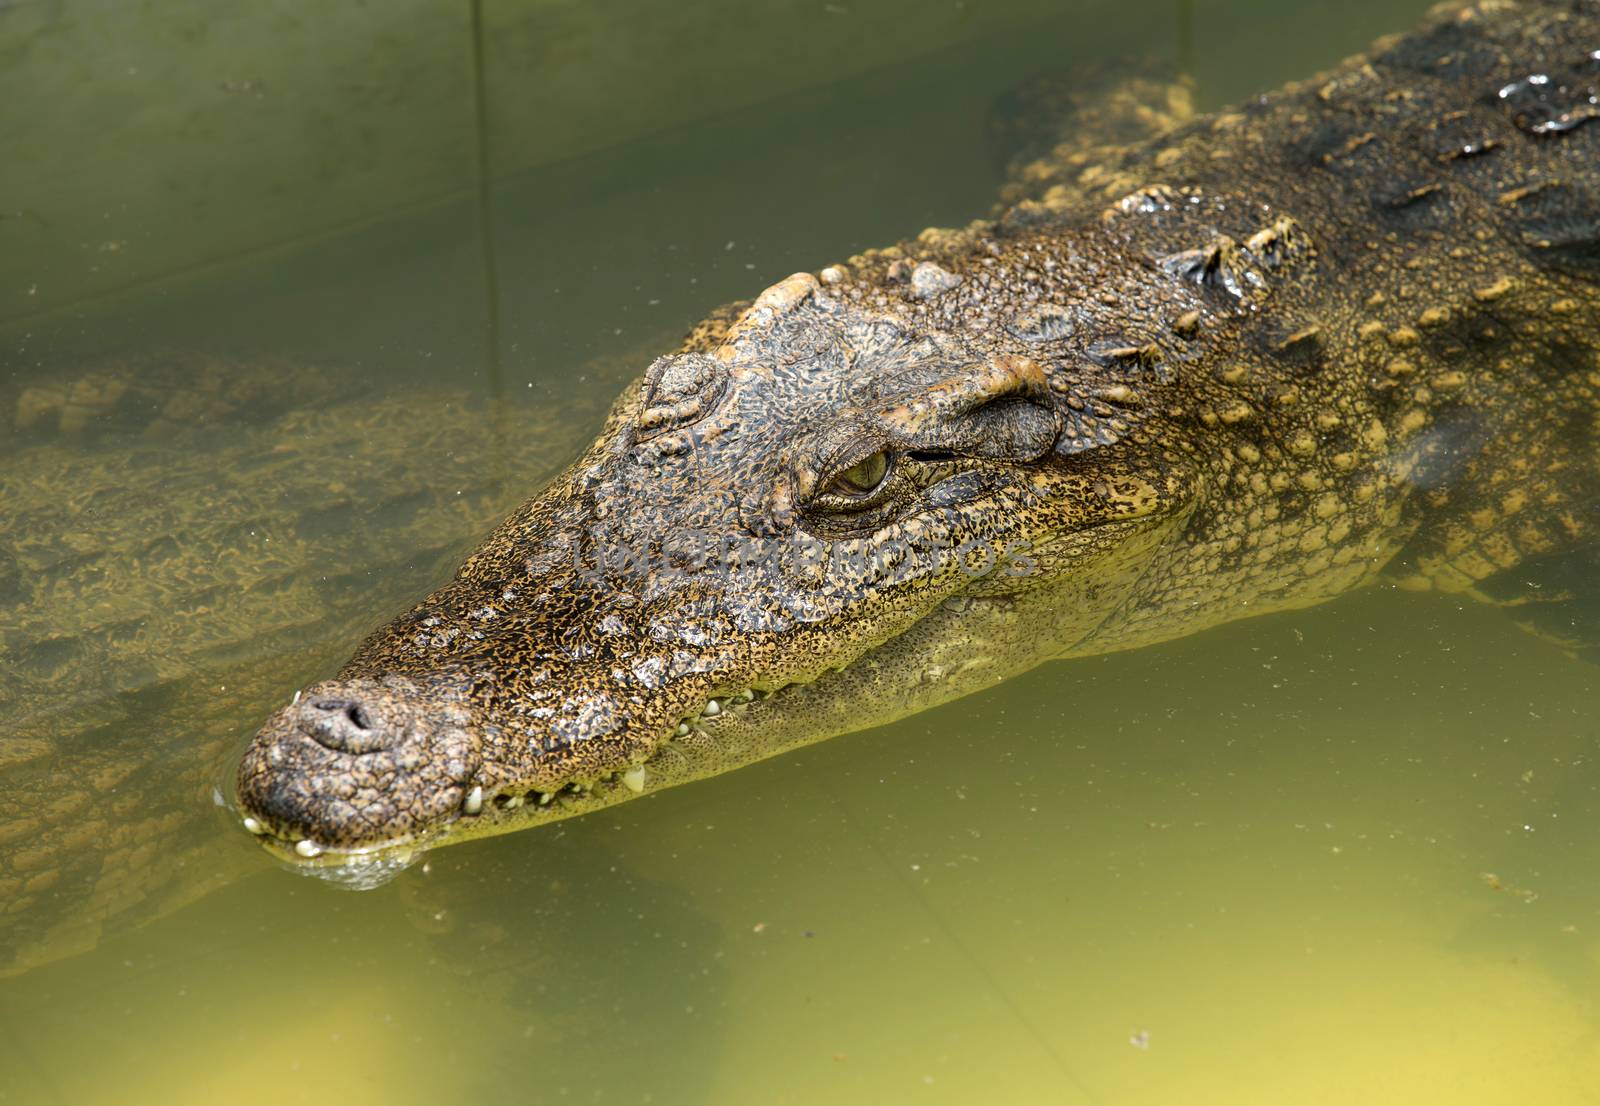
x,y
149,605
1260,360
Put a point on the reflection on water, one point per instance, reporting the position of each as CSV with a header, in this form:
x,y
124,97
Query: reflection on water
x,y
1198,871
475,964
1336,856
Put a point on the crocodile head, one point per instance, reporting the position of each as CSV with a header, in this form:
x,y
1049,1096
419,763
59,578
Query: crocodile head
x,y
844,513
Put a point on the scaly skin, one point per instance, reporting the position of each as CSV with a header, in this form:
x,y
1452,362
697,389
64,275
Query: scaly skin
x,y
1242,368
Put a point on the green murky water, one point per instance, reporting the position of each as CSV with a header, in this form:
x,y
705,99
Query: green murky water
x,y
1341,856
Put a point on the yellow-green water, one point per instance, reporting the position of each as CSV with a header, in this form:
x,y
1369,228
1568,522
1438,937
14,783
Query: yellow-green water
x,y
1342,856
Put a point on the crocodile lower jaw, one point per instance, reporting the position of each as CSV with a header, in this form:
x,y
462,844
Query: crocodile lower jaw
x,y
485,814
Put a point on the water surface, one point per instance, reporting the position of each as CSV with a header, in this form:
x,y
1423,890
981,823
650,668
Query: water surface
x,y
1336,856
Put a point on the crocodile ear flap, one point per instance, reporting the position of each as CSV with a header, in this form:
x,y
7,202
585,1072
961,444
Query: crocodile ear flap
x,y
1000,410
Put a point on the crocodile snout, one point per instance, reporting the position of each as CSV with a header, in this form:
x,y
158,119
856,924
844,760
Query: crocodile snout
x,y
359,759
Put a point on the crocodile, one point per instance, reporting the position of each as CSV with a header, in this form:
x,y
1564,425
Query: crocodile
x,y
1344,333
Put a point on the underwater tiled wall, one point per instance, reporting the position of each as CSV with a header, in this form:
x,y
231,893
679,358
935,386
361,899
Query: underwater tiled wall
x,y
151,139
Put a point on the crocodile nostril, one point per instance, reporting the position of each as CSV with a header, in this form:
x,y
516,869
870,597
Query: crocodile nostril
x,y
352,711
344,725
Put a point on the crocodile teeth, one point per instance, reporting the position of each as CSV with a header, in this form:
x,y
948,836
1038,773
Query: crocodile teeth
x,y
308,848
712,709
514,802
474,801
254,826
683,729
545,797
745,696
634,778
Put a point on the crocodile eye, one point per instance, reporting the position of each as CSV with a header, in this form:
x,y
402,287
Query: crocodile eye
x,y
864,496
862,478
